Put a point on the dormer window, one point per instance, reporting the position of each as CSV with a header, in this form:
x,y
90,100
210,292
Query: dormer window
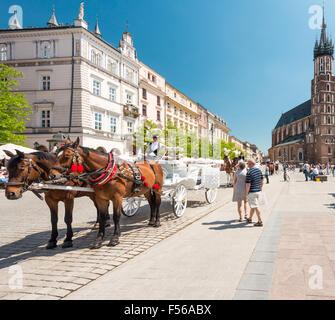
x,y
46,50
3,52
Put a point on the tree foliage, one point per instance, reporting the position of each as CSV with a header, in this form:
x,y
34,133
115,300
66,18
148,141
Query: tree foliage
x,y
14,108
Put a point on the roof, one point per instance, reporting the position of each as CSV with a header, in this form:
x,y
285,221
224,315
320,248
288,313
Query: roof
x,y
292,139
301,111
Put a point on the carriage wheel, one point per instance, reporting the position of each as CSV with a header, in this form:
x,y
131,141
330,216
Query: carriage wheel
x,y
211,194
179,201
130,206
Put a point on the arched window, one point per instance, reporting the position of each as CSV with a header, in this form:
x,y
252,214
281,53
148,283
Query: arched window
x,y
328,98
3,52
99,59
329,120
46,49
321,64
93,56
328,109
328,87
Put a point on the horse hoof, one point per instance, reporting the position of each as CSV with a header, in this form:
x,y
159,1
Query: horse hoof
x,y
113,243
108,223
96,245
151,223
67,244
157,225
96,226
51,245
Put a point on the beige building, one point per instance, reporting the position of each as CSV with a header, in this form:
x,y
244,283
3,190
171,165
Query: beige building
x,y
217,127
181,110
76,82
152,96
238,143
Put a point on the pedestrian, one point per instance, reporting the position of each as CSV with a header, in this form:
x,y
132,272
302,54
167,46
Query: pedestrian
x,y
267,173
254,186
239,186
306,170
333,170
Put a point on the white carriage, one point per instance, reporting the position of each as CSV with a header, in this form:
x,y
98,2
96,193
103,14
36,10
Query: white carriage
x,y
181,176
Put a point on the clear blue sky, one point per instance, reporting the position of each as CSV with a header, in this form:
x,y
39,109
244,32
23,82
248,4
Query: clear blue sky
x,y
248,61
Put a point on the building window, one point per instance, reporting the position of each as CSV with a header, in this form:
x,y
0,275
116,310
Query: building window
x,y
130,127
97,120
328,87
112,93
129,98
158,100
328,109
168,105
45,118
92,56
46,50
144,94
158,115
45,83
3,52
99,59
113,124
129,75
144,110
328,98
96,87
153,79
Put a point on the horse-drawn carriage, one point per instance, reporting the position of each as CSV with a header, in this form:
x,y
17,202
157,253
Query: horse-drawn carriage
x,y
181,176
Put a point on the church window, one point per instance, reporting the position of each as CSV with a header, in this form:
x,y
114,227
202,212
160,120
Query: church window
x,y
328,109
321,64
329,120
328,98
328,87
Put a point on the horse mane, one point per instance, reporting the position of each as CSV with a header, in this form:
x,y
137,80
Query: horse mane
x,y
44,155
87,150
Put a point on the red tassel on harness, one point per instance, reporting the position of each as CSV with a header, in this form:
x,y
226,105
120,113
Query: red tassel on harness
x,y
146,184
155,186
74,168
143,178
80,168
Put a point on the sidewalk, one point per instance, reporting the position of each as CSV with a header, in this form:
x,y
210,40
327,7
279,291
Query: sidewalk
x,y
204,261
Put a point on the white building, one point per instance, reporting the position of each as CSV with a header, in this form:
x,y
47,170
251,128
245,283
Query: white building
x,y
76,82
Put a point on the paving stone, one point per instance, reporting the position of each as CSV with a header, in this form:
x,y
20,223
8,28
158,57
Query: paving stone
x,y
251,295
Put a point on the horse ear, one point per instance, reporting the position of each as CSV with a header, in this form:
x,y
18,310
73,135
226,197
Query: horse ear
x,y
19,153
76,143
9,153
68,141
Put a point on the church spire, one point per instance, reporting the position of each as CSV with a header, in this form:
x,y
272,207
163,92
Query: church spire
x,y
53,21
325,47
97,29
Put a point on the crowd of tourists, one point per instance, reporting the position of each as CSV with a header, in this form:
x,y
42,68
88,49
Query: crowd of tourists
x,y
312,171
3,176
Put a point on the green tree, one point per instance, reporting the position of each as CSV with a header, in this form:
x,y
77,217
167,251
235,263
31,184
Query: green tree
x,y
14,108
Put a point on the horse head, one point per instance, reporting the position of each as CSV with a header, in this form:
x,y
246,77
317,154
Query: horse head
x,y
23,171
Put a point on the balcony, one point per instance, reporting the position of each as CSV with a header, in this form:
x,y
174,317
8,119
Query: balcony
x,y
130,110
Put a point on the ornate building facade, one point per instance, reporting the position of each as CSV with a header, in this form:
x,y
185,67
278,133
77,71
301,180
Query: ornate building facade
x,y
307,132
76,83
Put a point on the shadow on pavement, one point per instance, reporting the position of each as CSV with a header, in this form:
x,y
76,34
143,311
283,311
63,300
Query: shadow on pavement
x,y
229,224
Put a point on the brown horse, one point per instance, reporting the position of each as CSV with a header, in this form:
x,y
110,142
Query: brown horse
x,y
24,169
229,170
114,179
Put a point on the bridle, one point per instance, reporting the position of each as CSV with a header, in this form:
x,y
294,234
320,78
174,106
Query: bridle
x,y
31,166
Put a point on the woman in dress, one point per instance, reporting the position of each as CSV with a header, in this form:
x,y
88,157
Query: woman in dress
x,y
239,195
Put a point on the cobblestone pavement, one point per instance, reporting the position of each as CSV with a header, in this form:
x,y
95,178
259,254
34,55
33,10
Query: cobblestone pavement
x,y
54,274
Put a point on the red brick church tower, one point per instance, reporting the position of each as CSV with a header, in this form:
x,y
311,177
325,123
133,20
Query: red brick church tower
x,y
307,131
320,137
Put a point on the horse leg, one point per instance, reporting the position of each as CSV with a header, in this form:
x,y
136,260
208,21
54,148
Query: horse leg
x,y
117,204
108,219
158,201
53,206
68,220
102,206
151,199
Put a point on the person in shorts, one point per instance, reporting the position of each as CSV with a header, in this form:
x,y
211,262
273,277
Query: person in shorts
x,y
254,186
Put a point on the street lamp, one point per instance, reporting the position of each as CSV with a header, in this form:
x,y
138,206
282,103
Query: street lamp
x,y
212,130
